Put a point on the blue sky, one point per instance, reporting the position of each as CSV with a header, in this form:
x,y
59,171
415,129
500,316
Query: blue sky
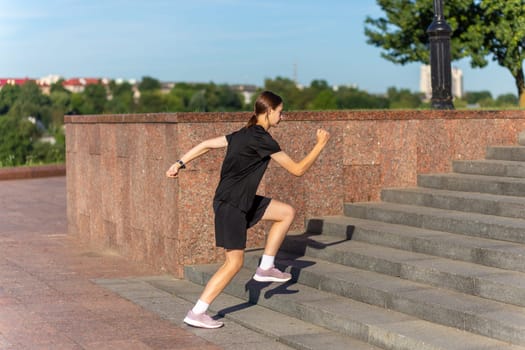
x,y
224,41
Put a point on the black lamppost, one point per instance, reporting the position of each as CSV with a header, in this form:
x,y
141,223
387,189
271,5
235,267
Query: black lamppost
x,y
439,33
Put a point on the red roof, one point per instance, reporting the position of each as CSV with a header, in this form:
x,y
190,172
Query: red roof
x,y
69,82
14,81
81,81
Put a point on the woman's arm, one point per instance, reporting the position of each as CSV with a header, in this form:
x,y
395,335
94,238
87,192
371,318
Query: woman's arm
x,y
299,168
197,151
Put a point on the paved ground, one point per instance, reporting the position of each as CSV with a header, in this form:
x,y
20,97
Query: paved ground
x,y
56,293
48,299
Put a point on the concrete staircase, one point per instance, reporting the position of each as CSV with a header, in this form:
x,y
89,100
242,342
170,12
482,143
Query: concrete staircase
x,y
438,266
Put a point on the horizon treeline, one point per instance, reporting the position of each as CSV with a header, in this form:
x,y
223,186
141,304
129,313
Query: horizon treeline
x,y
31,121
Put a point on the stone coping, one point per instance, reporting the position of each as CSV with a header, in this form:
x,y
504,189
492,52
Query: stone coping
x,y
206,117
32,172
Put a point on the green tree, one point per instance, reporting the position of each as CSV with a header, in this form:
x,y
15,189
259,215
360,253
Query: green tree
x,y
149,84
77,103
31,102
182,93
353,98
201,97
474,97
481,29
198,102
174,103
319,95
289,91
58,87
45,152
61,105
122,100
152,102
222,98
8,96
16,140
506,100
94,101
324,100
403,98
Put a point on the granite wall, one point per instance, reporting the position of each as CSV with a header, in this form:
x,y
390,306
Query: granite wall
x,y
32,172
119,197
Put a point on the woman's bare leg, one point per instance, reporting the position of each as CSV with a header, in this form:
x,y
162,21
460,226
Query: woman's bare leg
x,y
223,276
282,215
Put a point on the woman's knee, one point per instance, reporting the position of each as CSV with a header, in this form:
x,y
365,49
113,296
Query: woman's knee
x,y
234,262
279,211
289,212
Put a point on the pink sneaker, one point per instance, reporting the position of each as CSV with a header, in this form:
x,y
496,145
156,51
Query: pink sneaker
x,y
271,275
201,320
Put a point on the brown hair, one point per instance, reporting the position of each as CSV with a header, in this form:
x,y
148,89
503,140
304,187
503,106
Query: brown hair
x,y
267,100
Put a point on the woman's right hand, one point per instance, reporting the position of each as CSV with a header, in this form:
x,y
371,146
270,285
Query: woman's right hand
x,y
322,136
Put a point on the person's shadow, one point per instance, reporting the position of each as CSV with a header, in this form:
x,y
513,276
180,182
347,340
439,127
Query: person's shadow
x,y
292,250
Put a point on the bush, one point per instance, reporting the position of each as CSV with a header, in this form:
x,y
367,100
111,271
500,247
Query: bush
x,y
16,140
20,144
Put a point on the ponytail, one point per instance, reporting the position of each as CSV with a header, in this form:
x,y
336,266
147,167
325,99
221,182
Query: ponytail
x,y
252,121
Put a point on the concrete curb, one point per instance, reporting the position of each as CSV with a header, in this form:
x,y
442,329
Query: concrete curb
x,y
32,172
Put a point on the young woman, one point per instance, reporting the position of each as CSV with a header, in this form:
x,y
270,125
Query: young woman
x,y
236,205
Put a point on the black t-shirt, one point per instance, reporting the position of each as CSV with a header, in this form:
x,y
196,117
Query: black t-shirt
x,y
247,158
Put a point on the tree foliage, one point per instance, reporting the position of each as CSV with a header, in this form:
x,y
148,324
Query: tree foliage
x,y
8,96
16,140
319,95
26,114
149,84
482,30
31,102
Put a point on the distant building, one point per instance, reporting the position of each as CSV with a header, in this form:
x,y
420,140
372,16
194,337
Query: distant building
x,y
78,85
166,86
457,83
44,86
49,80
13,81
425,82
75,85
247,91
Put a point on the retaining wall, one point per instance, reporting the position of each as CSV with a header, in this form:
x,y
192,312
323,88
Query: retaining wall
x,y
119,197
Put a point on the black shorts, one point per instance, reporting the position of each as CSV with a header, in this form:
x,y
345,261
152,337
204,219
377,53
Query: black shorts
x,y
231,223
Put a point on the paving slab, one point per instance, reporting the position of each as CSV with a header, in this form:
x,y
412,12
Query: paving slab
x,y
171,299
47,297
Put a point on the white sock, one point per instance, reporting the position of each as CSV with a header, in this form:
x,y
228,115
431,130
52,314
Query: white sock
x,y
267,262
200,308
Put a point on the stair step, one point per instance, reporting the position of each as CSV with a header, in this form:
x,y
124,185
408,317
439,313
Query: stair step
x,y
501,168
488,252
489,204
380,327
487,282
471,224
449,308
143,291
474,183
514,153
275,325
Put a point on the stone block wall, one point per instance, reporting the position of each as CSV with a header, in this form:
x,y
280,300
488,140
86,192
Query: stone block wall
x,y
119,197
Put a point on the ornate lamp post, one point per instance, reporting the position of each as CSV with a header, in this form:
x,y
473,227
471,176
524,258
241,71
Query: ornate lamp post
x,y
439,33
